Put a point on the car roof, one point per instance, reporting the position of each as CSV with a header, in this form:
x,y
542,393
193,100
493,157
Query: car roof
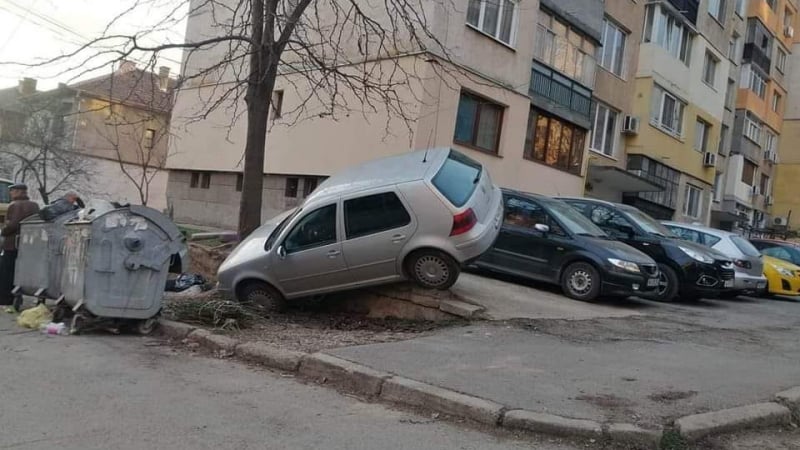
x,y
529,195
595,201
702,228
380,172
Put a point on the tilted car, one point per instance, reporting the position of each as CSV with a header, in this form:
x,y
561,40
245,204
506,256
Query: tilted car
x,y
547,240
746,259
686,270
783,278
419,215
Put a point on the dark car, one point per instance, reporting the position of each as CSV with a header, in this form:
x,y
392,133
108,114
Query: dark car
x,y
686,269
546,240
787,251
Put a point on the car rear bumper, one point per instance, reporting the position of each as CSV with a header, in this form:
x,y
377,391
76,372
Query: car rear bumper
x,y
749,283
483,236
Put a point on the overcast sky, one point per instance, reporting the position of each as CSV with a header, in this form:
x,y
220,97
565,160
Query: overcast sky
x,y
32,30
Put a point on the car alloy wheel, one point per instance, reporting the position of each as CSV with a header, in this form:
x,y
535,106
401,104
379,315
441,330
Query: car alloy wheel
x,y
432,270
663,284
261,296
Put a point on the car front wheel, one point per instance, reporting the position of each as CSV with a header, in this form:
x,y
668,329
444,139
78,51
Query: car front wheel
x,y
432,269
667,284
262,296
581,281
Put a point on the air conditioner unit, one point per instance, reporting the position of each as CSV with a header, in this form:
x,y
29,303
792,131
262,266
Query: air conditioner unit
x,y
788,31
710,159
769,200
630,125
780,221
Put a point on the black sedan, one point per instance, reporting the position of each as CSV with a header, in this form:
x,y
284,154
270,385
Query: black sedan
x,y
546,240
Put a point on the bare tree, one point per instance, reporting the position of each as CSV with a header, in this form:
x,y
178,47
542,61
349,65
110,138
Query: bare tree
x,y
41,156
339,55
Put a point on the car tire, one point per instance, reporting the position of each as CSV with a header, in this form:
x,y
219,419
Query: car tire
x,y
581,281
262,296
668,284
432,269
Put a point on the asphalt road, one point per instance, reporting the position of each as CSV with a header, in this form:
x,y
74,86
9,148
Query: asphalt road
x,y
125,392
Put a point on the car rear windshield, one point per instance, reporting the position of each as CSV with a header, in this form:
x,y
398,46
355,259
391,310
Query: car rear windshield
x,y
744,246
457,178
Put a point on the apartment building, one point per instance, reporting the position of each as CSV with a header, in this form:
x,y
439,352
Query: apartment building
x,y
525,111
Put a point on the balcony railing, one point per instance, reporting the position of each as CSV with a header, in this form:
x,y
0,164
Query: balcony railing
x,y
754,54
561,90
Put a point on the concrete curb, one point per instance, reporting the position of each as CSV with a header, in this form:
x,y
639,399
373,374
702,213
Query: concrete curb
x,y
339,372
698,426
414,393
359,379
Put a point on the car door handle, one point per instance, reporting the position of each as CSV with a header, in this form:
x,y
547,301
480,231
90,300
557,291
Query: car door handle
x,y
334,253
398,238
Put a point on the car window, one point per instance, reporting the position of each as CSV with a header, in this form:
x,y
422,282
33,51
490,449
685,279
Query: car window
x,y
686,234
610,221
457,178
645,222
744,246
374,213
710,240
526,214
289,216
778,252
316,229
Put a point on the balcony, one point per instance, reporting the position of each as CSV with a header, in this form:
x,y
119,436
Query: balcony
x,y
560,90
688,8
754,54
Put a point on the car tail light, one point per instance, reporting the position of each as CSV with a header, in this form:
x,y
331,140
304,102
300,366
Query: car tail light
x,y
463,222
743,264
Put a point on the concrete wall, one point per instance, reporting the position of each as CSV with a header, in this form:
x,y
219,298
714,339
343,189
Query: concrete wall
x,y
109,182
585,15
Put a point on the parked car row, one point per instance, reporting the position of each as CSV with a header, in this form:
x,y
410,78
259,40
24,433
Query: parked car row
x,y
425,215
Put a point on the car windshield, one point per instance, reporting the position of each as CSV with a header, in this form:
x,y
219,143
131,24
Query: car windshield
x,y
744,246
287,217
574,221
645,222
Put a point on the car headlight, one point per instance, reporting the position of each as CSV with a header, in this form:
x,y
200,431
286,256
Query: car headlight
x,y
624,265
785,272
697,256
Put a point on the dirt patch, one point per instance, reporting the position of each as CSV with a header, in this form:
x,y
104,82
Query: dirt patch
x,y
671,396
605,401
772,439
206,260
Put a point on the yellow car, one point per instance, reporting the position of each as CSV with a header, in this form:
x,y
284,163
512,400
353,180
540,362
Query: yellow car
x,y
783,278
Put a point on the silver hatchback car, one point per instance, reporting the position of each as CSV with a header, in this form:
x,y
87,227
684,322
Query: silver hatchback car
x,y
419,215
747,262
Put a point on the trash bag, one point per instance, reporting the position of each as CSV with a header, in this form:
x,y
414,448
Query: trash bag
x,y
184,281
56,209
34,318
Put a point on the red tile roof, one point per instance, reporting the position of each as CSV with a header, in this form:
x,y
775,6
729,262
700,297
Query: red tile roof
x,y
134,87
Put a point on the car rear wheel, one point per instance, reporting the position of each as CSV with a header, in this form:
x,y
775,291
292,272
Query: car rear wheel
x,y
262,296
667,288
432,269
581,281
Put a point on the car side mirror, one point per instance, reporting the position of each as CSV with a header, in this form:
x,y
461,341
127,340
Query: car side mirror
x,y
282,252
541,228
627,231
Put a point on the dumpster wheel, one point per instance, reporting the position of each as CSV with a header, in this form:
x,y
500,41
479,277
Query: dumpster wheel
x,y
147,326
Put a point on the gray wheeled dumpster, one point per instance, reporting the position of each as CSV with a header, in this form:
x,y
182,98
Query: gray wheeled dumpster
x,y
40,260
116,266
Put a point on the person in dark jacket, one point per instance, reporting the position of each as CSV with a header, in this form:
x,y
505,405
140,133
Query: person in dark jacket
x,y
20,208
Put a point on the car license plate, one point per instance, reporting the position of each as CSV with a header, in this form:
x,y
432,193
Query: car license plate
x,y
652,282
728,283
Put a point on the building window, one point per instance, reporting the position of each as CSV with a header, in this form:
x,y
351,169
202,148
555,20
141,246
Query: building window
x,y
693,202
741,5
478,123
195,180
753,80
309,185
667,111
748,173
660,174
723,140
776,101
752,128
701,131
668,32
554,142
149,138
710,68
565,49
717,194
239,182
717,10
604,131
612,54
276,104
730,94
205,180
764,185
780,63
734,48
788,18
290,191
497,18
771,3
770,141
